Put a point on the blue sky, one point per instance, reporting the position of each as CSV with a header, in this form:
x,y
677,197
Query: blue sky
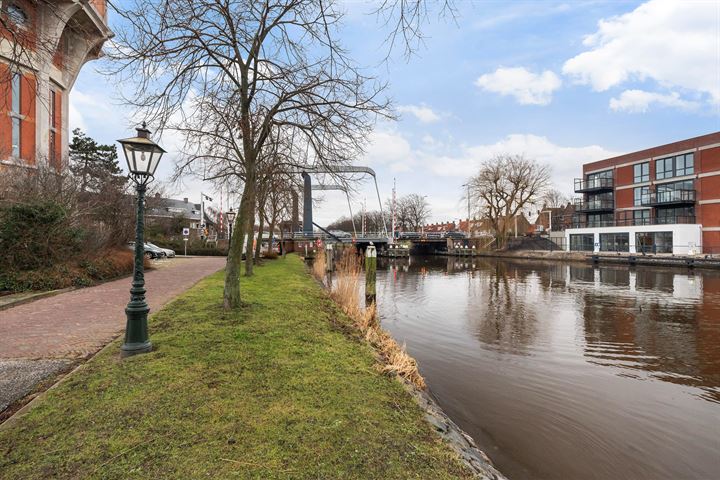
x,y
562,82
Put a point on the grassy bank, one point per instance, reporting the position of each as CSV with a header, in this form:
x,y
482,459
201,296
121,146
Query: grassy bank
x,y
276,390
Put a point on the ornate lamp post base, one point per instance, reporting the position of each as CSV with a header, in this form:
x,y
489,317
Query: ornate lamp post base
x,y
136,328
136,332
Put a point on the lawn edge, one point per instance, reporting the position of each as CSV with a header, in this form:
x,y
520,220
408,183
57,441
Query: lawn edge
x,y
449,432
38,395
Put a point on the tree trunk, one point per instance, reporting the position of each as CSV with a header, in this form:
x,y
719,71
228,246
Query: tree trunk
x,y
282,240
272,234
231,294
258,246
250,231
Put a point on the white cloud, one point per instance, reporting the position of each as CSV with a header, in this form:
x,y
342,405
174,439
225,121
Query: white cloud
x,y
566,162
527,87
639,101
674,43
422,112
389,148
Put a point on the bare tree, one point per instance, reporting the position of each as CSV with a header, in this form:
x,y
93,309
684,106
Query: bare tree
x,y
234,74
405,19
412,212
504,186
554,198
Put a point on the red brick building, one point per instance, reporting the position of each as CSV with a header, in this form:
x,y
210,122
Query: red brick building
x,y
439,227
43,46
664,199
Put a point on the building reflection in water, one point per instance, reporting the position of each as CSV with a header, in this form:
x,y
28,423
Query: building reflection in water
x,y
556,368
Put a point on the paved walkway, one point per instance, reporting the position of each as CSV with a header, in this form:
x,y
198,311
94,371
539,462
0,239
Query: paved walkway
x,y
44,337
78,323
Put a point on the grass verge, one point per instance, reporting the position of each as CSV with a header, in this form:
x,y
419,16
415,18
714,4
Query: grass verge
x,y
274,390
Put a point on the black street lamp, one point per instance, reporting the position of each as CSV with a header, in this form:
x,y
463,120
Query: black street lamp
x,y
231,221
143,156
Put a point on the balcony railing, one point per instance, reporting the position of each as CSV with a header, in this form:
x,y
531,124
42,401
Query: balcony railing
x,y
668,197
593,185
634,222
599,205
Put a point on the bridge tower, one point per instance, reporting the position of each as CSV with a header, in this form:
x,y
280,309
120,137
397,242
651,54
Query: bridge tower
x,y
307,205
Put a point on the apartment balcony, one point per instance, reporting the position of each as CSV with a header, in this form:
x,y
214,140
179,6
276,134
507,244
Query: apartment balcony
x,y
594,185
637,222
669,197
594,206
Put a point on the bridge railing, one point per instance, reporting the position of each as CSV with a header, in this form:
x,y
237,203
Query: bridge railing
x,y
344,238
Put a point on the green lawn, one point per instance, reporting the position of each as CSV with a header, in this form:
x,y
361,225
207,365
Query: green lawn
x,y
275,390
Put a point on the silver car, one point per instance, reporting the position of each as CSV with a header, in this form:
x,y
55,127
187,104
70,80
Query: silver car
x,y
169,253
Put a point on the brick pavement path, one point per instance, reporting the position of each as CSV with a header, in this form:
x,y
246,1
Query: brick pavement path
x,y
78,323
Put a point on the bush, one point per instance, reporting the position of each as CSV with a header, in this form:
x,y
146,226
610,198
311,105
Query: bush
x,y
109,265
36,235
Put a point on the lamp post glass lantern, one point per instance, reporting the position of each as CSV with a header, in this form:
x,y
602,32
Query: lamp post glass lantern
x,y
231,220
142,156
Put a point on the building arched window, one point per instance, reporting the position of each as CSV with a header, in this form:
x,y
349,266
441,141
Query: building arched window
x,y
17,15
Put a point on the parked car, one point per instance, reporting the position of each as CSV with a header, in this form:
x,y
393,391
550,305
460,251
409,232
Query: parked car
x,y
169,253
150,251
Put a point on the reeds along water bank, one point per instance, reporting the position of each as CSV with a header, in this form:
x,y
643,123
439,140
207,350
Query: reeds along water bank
x,y
345,291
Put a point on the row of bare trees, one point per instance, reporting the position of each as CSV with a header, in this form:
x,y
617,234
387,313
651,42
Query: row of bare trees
x,y
259,90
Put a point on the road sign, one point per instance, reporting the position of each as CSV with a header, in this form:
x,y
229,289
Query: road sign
x,y
186,232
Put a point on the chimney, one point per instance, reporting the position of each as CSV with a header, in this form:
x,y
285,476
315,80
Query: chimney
x,y
185,200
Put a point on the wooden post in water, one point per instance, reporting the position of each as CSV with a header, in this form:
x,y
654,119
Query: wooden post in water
x,y
329,258
370,273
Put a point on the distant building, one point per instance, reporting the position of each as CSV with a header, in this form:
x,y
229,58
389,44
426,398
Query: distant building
x,y
439,227
41,55
664,199
556,219
167,208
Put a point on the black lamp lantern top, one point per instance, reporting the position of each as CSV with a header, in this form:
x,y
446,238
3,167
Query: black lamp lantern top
x,y
231,215
142,155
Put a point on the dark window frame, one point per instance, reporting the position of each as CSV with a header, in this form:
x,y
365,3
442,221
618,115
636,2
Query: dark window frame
x,y
615,242
16,116
641,172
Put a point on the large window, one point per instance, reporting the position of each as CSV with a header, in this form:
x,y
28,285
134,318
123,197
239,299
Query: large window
x,y
684,165
600,220
614,242
675,215
664,168
641,196
582,243
598,175
15,117
675,166
641,172
654,242
17,15
676,192
52,147
641,217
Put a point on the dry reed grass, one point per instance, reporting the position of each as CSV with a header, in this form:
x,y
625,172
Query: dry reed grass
x,y
346,293
319,264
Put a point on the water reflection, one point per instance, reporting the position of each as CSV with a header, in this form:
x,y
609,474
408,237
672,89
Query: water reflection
x,y
559,366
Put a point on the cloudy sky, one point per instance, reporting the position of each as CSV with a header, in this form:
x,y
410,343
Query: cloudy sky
x,y
561,82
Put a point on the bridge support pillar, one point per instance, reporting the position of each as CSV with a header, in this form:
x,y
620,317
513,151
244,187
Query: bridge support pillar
x,y
307,204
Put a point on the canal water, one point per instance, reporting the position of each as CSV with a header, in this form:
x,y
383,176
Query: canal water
x,y
567,371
